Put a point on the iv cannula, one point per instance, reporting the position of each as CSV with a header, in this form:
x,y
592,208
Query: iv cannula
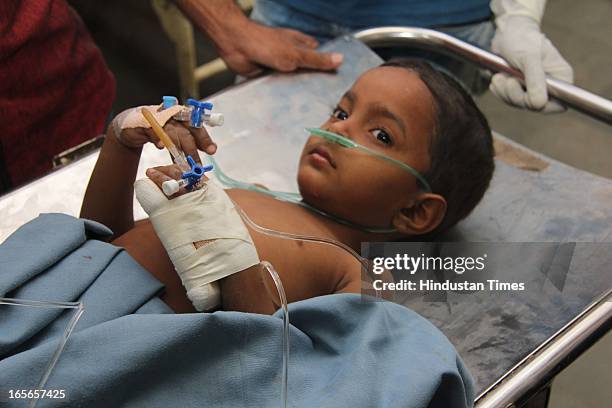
x,y
163,136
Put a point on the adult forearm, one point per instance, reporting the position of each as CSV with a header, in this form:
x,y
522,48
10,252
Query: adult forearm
x,y
214,17
110,192
248,47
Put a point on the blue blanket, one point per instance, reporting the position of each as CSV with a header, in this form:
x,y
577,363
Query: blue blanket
x,y
129,350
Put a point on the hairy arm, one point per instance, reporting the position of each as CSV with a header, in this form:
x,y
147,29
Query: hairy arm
x,y
247,47
214,17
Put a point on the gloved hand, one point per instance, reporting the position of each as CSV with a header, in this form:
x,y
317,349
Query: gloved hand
x,y
518,39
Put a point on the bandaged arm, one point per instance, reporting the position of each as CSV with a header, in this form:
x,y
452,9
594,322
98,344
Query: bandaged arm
x,y
205,215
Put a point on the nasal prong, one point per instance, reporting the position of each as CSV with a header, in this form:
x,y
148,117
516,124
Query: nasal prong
x,y
333,137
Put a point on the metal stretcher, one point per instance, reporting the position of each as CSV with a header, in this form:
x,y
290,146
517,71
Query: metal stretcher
x,y
512,354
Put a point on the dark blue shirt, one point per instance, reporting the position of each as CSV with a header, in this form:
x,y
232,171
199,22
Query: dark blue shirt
x,y
372,13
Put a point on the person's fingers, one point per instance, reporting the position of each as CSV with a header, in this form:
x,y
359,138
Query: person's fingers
x,y
537,93
553,107
242,65
254,73
203,140
190,139
153,138
516,93
318,60
535,81
162,174
136,137
169,171
302,39
498,87
158,177
510,90
186,143
183,139
556,65
131,138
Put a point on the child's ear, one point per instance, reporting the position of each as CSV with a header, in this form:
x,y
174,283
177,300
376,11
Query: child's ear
x,y
422,215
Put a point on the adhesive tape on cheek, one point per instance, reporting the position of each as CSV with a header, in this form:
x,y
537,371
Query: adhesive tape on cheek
x,y
203,215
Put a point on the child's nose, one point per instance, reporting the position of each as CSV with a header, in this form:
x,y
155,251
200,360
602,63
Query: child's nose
x,y
341,128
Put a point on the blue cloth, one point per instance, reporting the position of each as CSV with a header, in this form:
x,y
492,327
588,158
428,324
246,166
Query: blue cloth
x,y
58,258
344,351
356,14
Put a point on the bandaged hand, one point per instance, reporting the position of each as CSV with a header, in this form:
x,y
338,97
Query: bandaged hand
x,y
159,175
518,39
133,131
202,232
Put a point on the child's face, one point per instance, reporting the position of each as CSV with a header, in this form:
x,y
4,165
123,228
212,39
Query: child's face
x,y
390,110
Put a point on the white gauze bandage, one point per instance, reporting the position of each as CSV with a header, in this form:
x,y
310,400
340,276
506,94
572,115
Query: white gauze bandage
x,y
133,118
208,215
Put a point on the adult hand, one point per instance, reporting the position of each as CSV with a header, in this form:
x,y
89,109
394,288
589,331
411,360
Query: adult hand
x,y
248,47
256,46
521,43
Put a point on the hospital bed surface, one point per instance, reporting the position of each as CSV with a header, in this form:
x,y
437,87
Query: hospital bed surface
x,y
261,140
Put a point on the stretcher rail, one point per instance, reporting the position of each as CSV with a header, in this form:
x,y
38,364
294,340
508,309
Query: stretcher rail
x,y
570,95
541,366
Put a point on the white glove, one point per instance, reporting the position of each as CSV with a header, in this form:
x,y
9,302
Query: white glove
x,y
518,39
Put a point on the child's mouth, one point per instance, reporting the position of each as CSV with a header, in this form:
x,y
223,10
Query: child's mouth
x,y
322,156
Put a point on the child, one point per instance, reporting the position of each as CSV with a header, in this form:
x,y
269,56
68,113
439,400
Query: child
x,y
402,109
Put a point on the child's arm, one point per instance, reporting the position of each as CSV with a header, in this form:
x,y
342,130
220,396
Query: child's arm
x,y
109,195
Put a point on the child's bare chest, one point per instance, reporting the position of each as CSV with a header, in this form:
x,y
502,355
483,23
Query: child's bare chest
x,y
306,269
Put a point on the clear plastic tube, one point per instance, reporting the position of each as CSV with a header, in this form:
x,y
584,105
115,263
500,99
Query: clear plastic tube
x,y
289,197
343,141
78,312
298,237
279,285
283,300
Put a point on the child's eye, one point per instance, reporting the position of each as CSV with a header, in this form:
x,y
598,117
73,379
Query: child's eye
x,y
340,114
382,136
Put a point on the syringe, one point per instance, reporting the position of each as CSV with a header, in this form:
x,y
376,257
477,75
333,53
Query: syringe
x,y
192,172
178,157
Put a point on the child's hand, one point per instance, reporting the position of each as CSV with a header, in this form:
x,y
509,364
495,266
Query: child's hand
x,y
186,138
161,174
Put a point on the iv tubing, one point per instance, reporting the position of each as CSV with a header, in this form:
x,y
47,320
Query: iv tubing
x,y
79,309
279,284
297,237
283,299
289,197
